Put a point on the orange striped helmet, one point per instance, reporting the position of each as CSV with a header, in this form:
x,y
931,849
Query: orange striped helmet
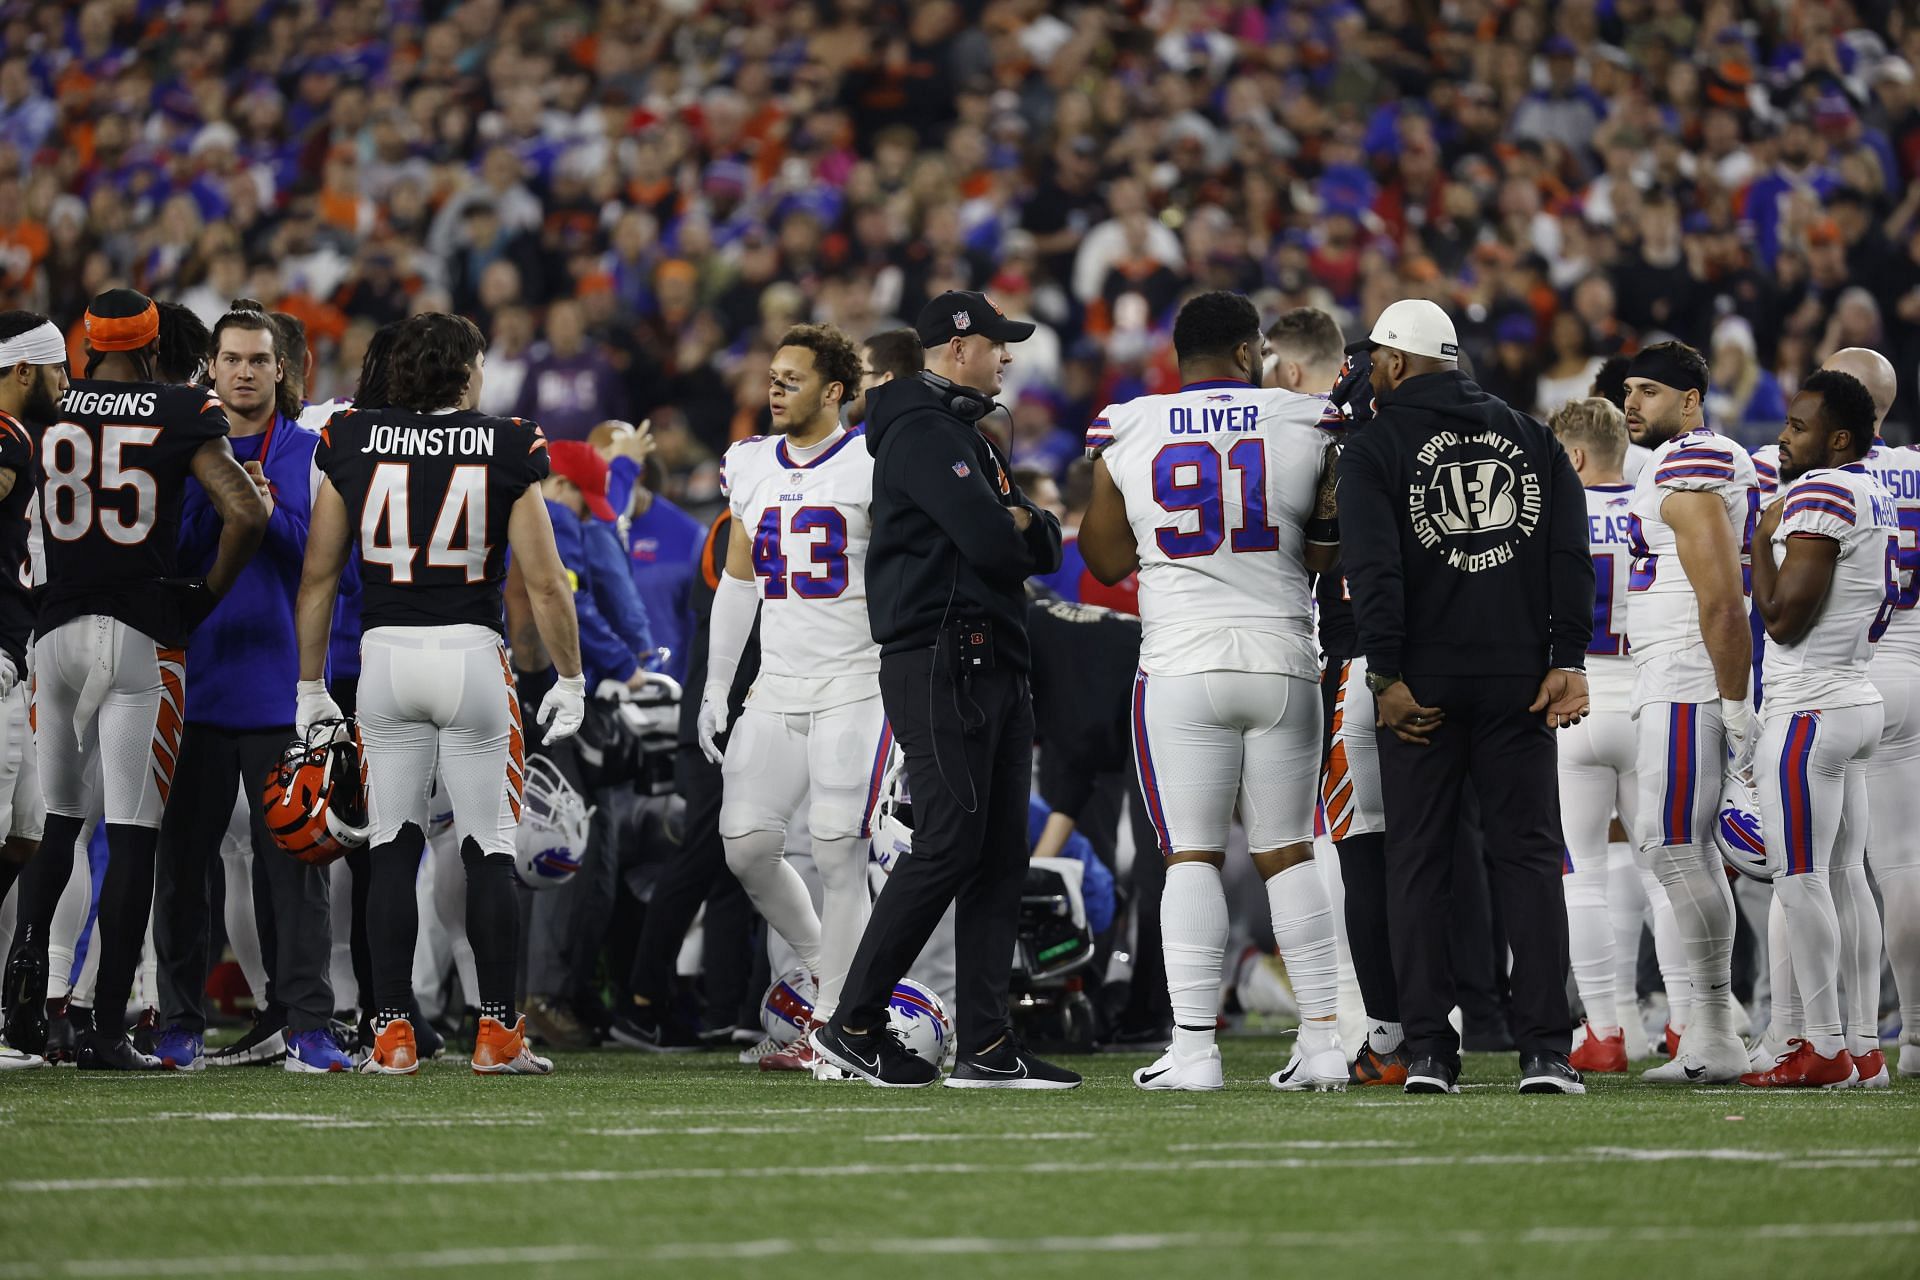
x,y
316,797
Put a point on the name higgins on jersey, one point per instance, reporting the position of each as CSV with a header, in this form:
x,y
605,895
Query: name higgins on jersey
x,y
428,442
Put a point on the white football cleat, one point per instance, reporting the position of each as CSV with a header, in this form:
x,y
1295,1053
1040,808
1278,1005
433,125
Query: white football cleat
x,y
12,1059
1628,1016
1910,1054
1764,1051
1322,1070
1200,1073
1705,1057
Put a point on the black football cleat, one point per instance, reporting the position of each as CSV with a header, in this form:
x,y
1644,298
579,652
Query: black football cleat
x,y
26,1001
112,1051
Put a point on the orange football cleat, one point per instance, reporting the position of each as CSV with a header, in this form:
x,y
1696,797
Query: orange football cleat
x,y
1371,1068
1872,1069
1605,1054
1673,1043
500,1051
1802,1068
394,1053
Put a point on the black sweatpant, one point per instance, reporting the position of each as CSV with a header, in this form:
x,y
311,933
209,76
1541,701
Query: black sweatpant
x,y
213,762
1491,740
969,752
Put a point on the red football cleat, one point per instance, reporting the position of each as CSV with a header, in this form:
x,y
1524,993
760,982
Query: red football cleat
x,y
1872,1070
1802,1068
1605,1054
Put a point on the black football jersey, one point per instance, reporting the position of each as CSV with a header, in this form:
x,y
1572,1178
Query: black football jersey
x,y
16,575
111,471
428,496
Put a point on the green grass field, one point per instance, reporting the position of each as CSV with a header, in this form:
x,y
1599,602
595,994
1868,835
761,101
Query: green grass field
x,y
623,1164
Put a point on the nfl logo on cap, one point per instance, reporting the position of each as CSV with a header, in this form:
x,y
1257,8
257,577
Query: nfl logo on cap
x,y
962,319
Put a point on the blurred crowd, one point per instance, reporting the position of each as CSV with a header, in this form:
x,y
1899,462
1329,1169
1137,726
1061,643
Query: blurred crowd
x,y
634,197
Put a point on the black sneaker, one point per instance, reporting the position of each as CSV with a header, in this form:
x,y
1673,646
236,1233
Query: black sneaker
x,y
66,1022
641,1028
26,1000
264,1043
1431,1075
877,1057
1549,1073
112,1051
1009,1065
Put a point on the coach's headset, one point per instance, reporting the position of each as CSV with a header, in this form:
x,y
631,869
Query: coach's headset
x,y
963,403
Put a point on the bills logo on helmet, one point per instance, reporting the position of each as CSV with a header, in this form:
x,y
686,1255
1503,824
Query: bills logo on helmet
x,y
552,838
920,1021
1738,833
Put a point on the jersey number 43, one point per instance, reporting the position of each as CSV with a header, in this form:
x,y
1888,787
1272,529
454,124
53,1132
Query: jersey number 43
x,y
826,529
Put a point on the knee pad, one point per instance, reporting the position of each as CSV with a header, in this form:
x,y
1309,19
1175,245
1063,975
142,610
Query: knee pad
x,y
841,862
751,850
1585,888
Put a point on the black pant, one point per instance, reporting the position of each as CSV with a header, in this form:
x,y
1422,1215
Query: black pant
x,y
1508,754
213,761
969,751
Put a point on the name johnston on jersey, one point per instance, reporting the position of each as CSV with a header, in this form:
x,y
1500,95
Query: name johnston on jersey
x,y
428,442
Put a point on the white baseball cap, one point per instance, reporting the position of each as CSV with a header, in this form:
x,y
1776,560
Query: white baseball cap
x,y
1417,327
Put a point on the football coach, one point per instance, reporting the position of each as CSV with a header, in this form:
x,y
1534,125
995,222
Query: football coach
x,y
953,543
1464,535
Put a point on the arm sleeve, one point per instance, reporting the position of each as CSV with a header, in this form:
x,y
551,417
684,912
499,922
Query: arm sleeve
x,y
613,591
623,474
937,478
735,603
1370,554
1570,582
1819,508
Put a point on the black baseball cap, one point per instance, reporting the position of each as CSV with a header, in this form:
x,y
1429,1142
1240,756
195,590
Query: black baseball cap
x,y
958,314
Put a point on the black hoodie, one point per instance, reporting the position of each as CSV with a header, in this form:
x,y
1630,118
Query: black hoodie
x,y
944,548
1463,532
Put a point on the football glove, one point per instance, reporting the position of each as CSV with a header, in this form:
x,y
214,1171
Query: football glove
x,y
712,723
564,707
312,704
1743,736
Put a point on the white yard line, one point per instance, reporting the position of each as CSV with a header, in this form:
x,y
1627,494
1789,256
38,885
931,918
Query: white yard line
x,y
313,1182
690,1251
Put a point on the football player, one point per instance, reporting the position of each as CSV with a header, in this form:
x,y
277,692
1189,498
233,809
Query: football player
x,y
1825,582
113,621
1221,496
1893,774
1597,755
434,494
33,377
813,727
1689,524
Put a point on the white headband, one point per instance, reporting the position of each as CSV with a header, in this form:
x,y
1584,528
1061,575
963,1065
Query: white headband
x,y
41,344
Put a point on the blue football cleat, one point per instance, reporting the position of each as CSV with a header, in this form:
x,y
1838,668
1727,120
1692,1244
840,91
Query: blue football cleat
x,y
180,1049
314,1052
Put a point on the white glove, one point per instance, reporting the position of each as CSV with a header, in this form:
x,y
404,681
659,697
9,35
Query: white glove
x,y
312,704
9,674
564,707
712,722
1743,736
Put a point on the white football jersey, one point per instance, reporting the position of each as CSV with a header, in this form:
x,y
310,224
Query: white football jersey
x,y
1766,471
1609,666
809,517
1636,461
1897,468
1827,668
1218,480
1663,617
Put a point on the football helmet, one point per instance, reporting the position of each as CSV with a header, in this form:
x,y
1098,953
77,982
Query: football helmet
x,y
316,796
920,1021
1737,833
552,837
787,1007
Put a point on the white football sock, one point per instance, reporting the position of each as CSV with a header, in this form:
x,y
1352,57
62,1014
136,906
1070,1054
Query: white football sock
x,y
1813,931
1385,1037
1627,911
1303,928
1859,919
69,918
1590,943
845,903
757,860
1668,953
1787,1018
1900,894
1193,939
1703,917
